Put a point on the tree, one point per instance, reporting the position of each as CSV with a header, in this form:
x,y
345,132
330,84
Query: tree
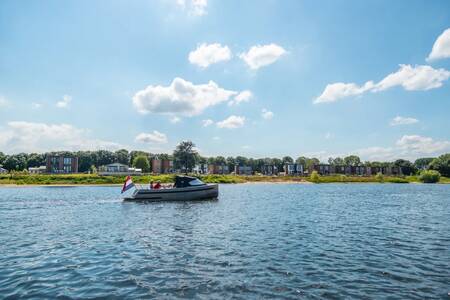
x,y
220,160
35,160
429,176
141,162
15,162
423,163
311,162
441,164
352,160
241,160
301,160
123,157
231,162
185,156
406,166
287,160
2,158
105,157
338,161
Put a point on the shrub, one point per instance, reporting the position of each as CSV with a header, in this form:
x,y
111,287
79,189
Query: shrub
x,y
379,177
315,177
343,178
430,176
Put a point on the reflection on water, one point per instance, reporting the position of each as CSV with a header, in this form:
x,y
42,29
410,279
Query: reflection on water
x,y
257,241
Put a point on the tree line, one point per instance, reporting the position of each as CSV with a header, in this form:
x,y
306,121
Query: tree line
x,y
185,157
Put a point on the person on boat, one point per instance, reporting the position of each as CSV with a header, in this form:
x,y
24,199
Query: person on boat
x,y
151,184
157,186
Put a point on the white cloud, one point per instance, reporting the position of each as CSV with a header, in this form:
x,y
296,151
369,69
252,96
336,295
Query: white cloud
x,y
266,114
207,122
417,78
206,55
407,147
441,47
155,137
3,102
174,120
398,120
243,96
36,105
180,97
328,135
336,91
64,103
246,147
417,144
194,7
232,122
216,138
260,56
29,137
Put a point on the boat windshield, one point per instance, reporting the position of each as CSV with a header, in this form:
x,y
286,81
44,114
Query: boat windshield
x,y
196,182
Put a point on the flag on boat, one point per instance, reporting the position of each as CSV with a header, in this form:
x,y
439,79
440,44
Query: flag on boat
x,y
128,184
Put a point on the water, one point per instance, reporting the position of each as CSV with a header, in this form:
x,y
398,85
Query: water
x,y
257,241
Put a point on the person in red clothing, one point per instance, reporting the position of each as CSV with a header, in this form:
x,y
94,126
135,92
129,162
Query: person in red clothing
x,y
157,185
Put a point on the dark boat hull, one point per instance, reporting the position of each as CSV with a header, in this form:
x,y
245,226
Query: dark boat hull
x,y
208,191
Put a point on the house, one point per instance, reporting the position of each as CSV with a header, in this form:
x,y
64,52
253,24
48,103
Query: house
x,y
270,170
37,170
118,169
61,164
161,166
3,171
243,170
218,169
200,169
293,169
322,169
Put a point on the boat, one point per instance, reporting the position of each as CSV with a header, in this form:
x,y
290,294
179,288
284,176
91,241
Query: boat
x,y
185,188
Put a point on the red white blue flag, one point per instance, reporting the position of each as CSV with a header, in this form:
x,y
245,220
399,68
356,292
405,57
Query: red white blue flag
x,y
128,184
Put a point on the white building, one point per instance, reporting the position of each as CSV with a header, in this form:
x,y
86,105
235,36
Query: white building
x,y
118,169
3,171
37,170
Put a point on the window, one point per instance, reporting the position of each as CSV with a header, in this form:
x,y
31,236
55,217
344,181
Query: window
x,y
67,160
196,182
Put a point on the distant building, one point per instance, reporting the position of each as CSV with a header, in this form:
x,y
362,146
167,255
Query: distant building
x,y
161,166
200,169
37,170
243,170
118,169
293,169
218,169
60,164
3,171
270,170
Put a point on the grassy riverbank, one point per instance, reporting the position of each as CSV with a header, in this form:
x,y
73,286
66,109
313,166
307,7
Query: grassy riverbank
x,y
93,179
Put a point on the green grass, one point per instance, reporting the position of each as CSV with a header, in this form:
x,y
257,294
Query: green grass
x,y
73,179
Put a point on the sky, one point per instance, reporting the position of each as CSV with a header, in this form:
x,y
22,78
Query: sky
x,y
252,78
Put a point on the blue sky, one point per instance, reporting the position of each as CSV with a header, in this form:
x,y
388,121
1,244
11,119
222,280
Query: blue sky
x,y
268,78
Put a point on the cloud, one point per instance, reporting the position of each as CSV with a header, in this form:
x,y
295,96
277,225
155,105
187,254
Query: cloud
x,y
336,91
20,136
441,47
216,138
206,55
180,97
155,137
328,135
398,120
417,78
266,114
407,147
194,7
260,56
207,122
232,122
64,103
174,120
243,96
36,105
3,102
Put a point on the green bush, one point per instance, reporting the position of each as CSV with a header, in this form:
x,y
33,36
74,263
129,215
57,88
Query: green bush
x,y
430,176
315,177
379,177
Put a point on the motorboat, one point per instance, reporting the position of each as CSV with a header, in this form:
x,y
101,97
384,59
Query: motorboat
x,y
185,188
